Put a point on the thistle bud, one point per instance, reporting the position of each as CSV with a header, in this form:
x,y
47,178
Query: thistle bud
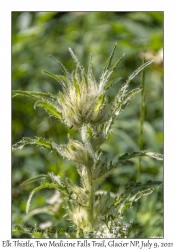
x,y
76,152
79,216
83,100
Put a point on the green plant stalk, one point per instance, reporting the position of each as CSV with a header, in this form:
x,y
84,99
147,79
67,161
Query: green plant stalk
x,y
91,199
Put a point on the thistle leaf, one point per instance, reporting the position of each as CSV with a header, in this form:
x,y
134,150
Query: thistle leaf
x,y
52,110
45,100
90,74
35,95
64,185
102,169
107,71
122,97
132,193
63,68
64,79
44,185
38,141
103,203
117,63
111,83
90,67
55,77
78,64
138,70
69,190
42,177
108,63
131,94
155,155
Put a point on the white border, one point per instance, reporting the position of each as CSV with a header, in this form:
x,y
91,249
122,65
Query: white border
x,y
5,94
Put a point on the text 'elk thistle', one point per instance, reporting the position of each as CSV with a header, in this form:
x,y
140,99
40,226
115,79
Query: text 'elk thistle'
x,y
83,105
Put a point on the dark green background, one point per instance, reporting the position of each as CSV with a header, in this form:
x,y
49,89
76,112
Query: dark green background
x,y
35,35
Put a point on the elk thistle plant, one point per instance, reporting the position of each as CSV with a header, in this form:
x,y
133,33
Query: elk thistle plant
x,y
84,106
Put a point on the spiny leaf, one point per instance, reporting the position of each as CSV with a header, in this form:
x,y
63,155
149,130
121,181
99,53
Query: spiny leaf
x,y
90,67
63,68
64,79
122,97
111,83
36,211
132,193
142,186
117,63
108,70
34,179
38,141
45,100
64,187
131,94
90,74
76,60
54,77
69,190
155,155
138,70
103,203
101,170
52,110
56,179
35,95
44,185
108,63
128,156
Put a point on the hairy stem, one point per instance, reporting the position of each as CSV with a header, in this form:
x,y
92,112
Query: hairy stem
x,y
91,199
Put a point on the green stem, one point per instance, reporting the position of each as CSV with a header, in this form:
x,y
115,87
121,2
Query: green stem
x,y
77,233
91,198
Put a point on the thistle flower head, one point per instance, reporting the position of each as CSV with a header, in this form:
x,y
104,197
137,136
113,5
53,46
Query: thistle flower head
x,y
76,152
83,100
79,216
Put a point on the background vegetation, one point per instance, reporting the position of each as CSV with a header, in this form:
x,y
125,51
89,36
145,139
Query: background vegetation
x,y
35,35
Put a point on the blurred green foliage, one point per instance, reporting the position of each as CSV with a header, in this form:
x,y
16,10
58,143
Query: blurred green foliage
x,y
35,35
